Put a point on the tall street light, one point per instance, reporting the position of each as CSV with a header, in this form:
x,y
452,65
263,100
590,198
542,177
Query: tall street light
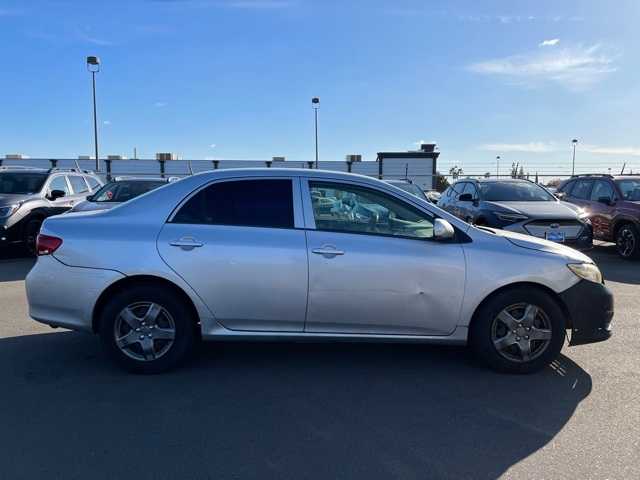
x,y
573,164
93,65
498,167
315,103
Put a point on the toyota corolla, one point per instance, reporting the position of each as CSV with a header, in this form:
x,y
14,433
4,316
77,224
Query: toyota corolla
x,y
308,255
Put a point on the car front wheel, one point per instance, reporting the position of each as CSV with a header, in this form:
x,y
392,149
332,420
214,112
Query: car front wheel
x,y
147,329
519,330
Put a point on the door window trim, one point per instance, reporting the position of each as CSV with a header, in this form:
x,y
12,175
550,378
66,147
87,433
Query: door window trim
x,y
47,189
310,222
298,220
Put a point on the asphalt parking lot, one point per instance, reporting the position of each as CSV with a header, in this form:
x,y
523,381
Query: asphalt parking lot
x,y
317,410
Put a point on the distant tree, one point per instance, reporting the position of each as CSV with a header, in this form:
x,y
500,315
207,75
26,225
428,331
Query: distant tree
x,y
441,182
455,172
487,174
554,182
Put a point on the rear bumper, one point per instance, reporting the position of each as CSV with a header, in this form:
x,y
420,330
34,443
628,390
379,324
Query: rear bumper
x,y
590,307
63,296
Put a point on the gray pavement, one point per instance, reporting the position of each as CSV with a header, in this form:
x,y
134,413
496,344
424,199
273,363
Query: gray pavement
x,y
320,411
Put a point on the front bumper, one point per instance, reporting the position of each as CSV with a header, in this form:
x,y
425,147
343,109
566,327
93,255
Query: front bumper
x,y
590,308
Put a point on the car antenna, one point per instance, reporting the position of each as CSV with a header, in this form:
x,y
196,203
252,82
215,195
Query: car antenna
x,y
623,165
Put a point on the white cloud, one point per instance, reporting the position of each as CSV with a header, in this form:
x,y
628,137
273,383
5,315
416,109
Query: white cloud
x,y
549,43
213,145
160,104
86,37
575,68
107,122
600,150
531,147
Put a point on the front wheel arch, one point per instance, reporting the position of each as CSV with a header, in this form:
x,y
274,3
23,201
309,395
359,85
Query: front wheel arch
x,y
538,286
128,282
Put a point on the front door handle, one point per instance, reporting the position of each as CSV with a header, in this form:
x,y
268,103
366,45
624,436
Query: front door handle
x,y
327,251
186,243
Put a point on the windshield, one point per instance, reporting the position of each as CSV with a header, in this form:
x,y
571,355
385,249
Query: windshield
x,y
412,188
21,183
125,190
630,189
514,192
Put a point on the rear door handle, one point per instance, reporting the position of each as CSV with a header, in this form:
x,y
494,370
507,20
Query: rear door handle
x,y
327,251
186,243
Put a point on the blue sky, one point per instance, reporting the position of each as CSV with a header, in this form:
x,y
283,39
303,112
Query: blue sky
x,y
234,78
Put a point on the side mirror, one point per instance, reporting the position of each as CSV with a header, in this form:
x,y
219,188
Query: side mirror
x,y
465,197
560,195
605,200
89,198
56,194
442,230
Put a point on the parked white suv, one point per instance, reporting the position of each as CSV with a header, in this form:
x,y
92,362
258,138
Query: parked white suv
x,y
308,254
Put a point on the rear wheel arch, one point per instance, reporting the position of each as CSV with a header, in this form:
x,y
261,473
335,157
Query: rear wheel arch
x,y
512,286
136,280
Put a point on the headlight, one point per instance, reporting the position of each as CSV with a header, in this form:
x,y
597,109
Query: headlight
x,y
8,211
587,271
510,217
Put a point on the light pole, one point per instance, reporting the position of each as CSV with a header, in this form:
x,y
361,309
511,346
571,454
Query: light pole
x,y
315,103
573,163
498,167
93,65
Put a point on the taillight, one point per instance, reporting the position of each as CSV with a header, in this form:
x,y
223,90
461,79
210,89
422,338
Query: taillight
x,y
46,245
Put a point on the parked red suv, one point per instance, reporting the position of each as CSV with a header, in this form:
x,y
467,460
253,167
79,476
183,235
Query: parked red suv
x,y
613,205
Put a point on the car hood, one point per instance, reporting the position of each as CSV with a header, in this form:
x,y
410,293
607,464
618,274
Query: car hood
x,y
537,210
10,199
539,244
87,206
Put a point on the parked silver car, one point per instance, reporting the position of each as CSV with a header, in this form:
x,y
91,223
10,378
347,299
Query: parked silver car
x,y
308,254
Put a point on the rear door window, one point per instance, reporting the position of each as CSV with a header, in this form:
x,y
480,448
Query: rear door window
x,y
248,203
78,184
602,189
582,189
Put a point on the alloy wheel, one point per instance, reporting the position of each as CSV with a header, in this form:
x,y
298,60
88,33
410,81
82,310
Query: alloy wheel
x,y
626,242
521,332
144,331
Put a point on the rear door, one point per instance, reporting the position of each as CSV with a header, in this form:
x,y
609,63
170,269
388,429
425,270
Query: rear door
x,y
80,189
374,267
240,244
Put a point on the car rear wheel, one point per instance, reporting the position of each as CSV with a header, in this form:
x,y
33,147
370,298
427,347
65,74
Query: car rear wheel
x,y
628,241
519,330
147,329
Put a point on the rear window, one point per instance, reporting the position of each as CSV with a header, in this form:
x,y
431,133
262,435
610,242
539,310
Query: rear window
x,y
247,203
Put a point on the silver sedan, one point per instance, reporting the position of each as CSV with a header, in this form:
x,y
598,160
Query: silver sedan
x,y
308,254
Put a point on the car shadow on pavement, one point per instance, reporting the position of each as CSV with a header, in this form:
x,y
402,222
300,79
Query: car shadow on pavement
x,y
613,267
274,410
15,270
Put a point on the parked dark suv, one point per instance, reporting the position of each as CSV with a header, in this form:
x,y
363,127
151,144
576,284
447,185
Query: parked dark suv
x,y
29,195
613,206
520,206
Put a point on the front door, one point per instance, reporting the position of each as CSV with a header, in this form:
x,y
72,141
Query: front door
x,y
601,209
236,244
374,267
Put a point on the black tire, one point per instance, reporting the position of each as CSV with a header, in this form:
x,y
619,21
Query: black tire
x,y
174,308
31,231
628,241
485,325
